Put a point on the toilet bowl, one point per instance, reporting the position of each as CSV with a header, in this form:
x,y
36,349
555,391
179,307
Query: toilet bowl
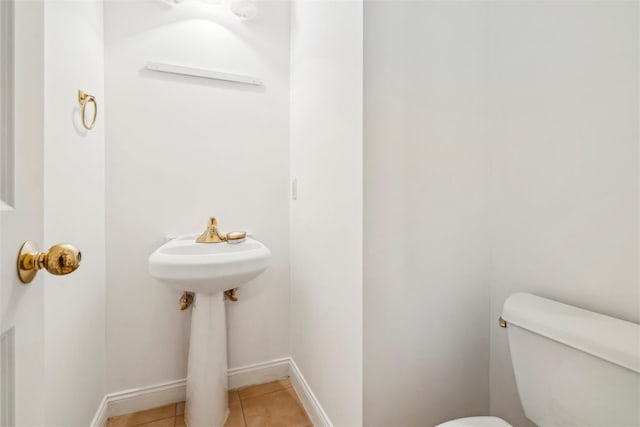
x,y
557,349
476,422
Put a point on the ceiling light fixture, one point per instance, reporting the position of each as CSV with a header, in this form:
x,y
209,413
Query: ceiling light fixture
x,y
244,9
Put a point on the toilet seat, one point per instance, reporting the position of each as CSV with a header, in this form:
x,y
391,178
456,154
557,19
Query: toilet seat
x,y
476,422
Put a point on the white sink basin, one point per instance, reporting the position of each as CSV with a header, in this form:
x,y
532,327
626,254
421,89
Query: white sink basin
x,y
208,268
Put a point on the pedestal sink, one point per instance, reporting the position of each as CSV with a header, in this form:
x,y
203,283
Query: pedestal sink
x,y
207,269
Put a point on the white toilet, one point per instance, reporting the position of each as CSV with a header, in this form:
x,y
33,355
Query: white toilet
x,y
573,367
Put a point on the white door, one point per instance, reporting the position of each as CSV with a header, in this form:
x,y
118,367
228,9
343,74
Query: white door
x,y
21,218
52,353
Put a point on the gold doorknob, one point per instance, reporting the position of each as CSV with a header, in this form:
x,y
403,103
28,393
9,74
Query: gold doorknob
x,y
60,259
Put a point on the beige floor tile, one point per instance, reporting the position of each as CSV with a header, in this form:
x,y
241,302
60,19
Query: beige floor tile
x,y
180,408
259,389
167,422
276,409
236,418
233,397
143,417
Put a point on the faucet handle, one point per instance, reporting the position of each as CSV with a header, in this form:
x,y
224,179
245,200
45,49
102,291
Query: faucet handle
x,y
236,236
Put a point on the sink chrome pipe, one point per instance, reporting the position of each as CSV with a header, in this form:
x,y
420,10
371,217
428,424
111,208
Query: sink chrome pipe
x,y
186,300
231,295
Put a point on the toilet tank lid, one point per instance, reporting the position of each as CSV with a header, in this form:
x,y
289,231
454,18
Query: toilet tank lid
x,y
608,338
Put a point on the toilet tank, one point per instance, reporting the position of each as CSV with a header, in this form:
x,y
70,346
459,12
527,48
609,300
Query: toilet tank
x,y
573,367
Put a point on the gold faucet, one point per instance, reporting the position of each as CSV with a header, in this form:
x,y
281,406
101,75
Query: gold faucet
x,y
212,235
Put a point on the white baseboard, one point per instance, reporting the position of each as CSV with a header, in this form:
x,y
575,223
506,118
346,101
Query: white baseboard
x,y
100,419
259,373
139,399
319,418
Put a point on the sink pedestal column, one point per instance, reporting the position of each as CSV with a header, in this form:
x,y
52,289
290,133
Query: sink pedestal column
x,y
207,382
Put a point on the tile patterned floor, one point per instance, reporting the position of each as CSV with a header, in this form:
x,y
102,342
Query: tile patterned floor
x,y
273,404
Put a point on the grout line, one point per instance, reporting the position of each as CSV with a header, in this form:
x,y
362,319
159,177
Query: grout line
x,y
290,387
175,415
153,421
287,378
244,419
264,394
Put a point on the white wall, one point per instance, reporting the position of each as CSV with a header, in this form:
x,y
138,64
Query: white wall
x,y
565,93
74,305
426,255
181,149
503,138
326,219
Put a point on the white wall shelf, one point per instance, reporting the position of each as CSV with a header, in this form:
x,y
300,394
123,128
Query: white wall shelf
x,y
203,72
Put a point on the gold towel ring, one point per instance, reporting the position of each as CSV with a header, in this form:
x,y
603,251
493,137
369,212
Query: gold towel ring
x,y
84,99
